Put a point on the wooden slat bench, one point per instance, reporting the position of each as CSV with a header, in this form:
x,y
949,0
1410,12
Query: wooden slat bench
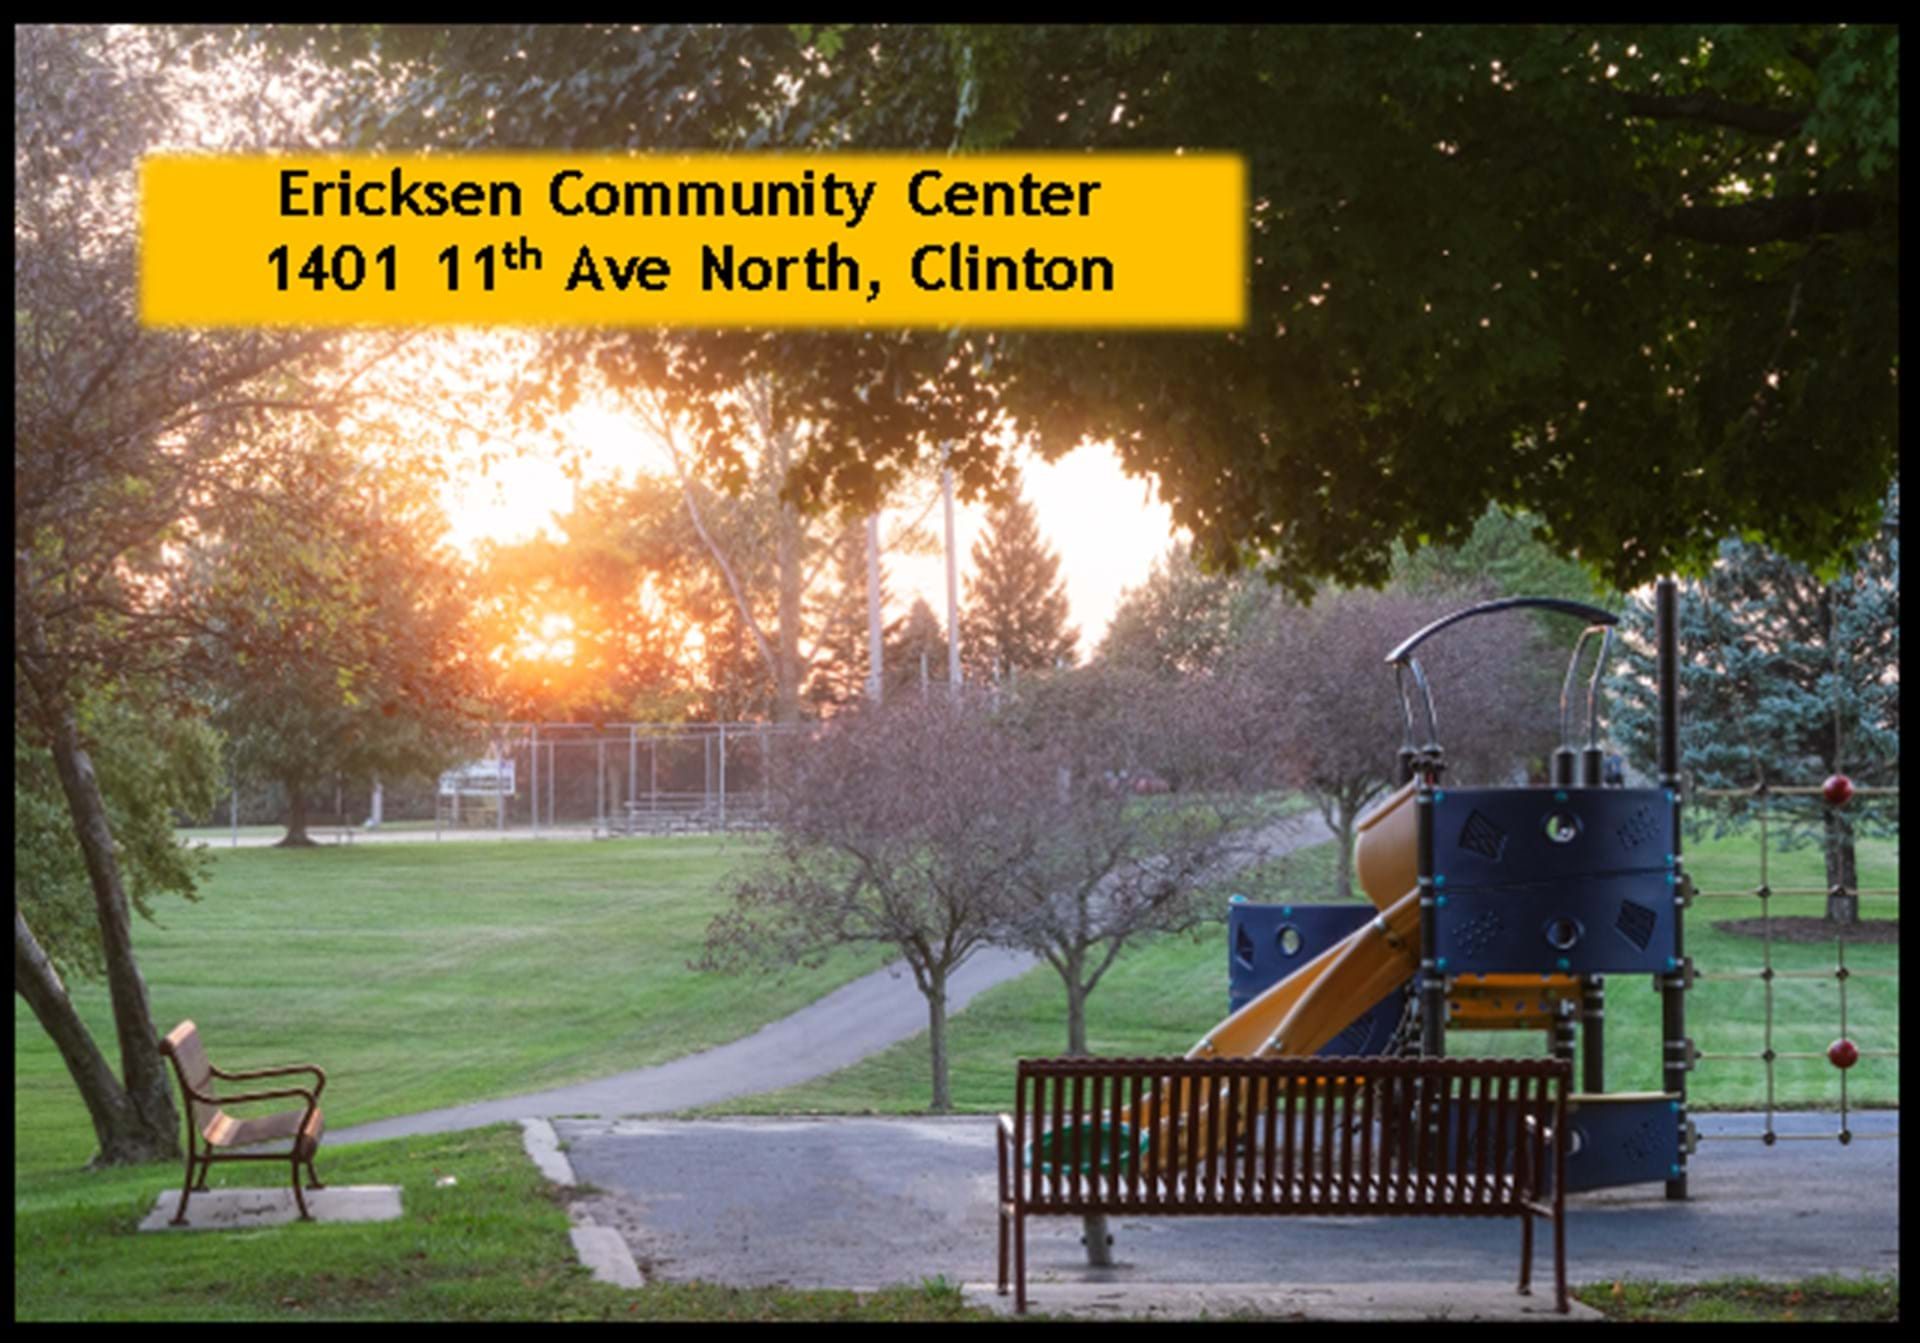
x,y
1462,1137
211,1131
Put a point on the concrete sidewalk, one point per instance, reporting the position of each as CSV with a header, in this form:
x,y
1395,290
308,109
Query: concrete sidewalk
x,y
837,1202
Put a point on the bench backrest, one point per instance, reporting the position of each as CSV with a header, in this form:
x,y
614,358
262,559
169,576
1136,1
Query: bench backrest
x,y
1308,1134
190,1065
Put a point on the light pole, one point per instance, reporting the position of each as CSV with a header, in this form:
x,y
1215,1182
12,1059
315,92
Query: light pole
x,y
953,579
874,677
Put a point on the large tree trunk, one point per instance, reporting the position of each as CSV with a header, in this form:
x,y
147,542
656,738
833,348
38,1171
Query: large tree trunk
x,y
116,1124
296,836
145,1128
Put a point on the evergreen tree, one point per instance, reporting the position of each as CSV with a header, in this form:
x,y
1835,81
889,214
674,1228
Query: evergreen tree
x,y
1785,678
919,640
1182,619
1015,616
840,661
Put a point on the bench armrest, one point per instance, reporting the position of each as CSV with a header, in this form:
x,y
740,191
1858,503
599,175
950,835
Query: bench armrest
x,y
320,1078
312,1097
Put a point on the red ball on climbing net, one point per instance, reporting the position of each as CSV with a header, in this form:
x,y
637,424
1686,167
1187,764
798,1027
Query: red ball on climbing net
x,y
1837,790
1843,1053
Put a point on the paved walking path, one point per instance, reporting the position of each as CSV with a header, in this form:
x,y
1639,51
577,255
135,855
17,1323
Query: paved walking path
x,y
835,1032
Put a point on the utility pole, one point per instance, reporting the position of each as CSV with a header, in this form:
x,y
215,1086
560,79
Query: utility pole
x,y
953,580
875,679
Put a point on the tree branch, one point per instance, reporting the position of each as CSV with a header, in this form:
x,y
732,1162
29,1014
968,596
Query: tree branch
x,y
1775,121
1765,221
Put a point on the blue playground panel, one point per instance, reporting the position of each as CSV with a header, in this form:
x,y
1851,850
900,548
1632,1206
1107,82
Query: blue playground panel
x,y
1611,1141
1267,943
1554,880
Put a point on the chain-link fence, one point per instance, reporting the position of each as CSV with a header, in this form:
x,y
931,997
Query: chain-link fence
x,y
528,780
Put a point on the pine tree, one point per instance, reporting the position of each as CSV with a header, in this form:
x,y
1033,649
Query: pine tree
x,y
840,667
1015,616
1181,619
921,640
1785,678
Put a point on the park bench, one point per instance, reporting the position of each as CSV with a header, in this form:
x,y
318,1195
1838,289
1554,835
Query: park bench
x,y
1414,1137
212,1133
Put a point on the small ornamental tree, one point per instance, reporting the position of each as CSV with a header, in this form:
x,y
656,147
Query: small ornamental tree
x,y
1320,699
1152,801
898,825
1786,678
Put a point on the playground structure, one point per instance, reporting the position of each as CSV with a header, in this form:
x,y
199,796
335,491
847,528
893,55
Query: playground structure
x,y
1504,908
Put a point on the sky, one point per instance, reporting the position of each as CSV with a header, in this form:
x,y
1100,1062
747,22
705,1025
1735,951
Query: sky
x,y
1106,528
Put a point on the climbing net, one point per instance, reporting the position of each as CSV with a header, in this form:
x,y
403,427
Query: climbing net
x,y
1844,1052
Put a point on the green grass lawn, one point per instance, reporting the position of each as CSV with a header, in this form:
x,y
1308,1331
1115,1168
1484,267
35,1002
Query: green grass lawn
x,y
1162,996
421,976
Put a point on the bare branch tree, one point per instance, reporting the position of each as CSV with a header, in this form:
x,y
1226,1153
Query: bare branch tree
x,y
1320,700
900,826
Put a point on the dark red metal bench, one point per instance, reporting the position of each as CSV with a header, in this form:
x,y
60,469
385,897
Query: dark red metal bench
x,y
1460,1137
211,1130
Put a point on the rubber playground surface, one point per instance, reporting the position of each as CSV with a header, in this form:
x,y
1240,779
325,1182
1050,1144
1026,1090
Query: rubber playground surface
x,y
864,1202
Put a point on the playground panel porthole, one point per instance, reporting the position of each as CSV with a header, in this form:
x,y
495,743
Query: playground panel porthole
x,y
1562,827
1288,940
1562,933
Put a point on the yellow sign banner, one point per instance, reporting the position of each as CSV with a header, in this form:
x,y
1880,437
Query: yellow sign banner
x,y
724,240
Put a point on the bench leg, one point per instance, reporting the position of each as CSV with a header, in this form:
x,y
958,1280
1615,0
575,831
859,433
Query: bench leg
x,y
298,1198
1560,1264
1003,1251
180,1213
1526,1254
1019,1264
313,1176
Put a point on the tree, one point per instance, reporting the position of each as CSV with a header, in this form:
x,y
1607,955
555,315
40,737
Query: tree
x,y
1182,619
1506,557
344,651
1151,801
917,648
897,825
1639,282
125,439
1319,699
840,665
1014,618
1785,678
630,601
150,766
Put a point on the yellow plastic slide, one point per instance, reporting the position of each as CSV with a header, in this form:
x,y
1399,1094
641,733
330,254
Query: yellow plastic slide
x,y
1309,1007
1301,1013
